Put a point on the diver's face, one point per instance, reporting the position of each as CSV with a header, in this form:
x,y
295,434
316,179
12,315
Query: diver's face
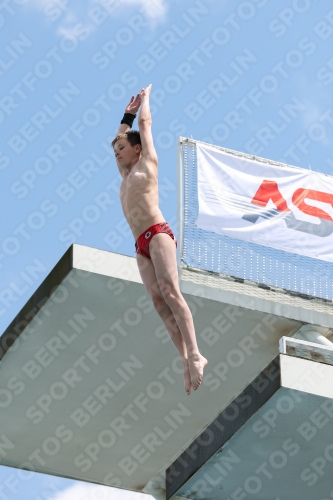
x,y
125,153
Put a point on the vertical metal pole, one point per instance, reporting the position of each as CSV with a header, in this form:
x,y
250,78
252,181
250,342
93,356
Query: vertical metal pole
x,y
180,204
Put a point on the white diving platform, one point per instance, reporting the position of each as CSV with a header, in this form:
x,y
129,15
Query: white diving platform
x,y
91,386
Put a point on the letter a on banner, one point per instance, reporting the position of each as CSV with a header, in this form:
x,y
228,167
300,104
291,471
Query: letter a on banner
x,y
279,206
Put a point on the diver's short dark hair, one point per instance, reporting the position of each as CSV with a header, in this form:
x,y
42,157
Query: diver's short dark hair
x,y
132,136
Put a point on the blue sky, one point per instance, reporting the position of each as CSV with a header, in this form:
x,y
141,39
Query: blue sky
x,y
254,76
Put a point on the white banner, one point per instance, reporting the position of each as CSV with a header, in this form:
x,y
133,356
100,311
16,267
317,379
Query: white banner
x,y
282,207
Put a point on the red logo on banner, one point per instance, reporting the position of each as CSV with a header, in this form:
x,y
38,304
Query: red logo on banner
x,y
269,190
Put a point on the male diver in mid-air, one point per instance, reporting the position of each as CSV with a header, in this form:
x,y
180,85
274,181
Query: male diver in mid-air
x,y
154,241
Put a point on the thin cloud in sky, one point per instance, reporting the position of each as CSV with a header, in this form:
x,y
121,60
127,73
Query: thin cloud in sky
x,y
68,14
72,13
151,8
82,491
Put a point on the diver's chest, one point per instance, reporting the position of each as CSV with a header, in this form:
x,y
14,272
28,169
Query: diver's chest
x,y
135,181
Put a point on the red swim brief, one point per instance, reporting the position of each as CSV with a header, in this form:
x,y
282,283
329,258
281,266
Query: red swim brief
x,y
142,243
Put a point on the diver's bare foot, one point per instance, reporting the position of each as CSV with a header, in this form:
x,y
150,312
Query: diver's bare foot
x,y
187,377
196,364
